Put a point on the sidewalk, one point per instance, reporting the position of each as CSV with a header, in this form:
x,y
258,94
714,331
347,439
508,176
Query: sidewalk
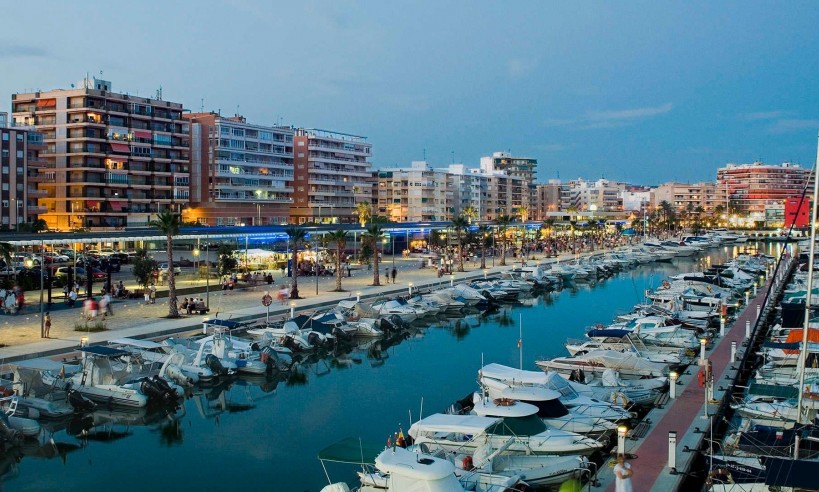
x,y
20,334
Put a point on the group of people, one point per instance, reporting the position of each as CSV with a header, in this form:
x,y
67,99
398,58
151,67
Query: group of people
x,y
388,273
193,304
93,308
12,300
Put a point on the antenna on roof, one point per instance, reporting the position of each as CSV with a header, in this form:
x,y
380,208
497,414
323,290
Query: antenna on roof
x,y
425,153
159,93
202,105
453,156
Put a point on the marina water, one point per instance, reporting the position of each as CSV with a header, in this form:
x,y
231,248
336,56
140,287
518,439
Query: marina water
x,y
265,433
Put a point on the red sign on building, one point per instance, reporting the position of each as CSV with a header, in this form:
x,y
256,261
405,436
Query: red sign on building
x,y
797,212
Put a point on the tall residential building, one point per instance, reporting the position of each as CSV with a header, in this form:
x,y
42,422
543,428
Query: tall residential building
x,y
241,173
414,194
465,189
332,174
748,188
505,195
547,199
113,160
687,197
602,195
518,167
20,163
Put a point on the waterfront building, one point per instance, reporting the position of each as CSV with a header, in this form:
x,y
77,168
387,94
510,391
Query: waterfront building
x,y
546,199
113,160
636,198
415,194
519,167
602,195
686,197
332,172
505,195
21,167
746,189
241,173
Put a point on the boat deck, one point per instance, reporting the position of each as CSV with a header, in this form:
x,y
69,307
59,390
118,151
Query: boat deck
x,y
685,414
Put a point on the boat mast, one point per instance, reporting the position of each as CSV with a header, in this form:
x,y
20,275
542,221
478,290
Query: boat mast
x,y
520,341
803,354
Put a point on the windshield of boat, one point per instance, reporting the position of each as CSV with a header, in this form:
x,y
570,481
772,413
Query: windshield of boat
x,y
550,409
518,426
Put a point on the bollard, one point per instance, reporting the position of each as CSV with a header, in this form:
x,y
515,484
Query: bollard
x,y
672,449
702,350
754,289
358,296
409,286
451,280
733,352
721,326
484,273
758,310
621,439
747,297
204,326
672,386
292,309
747,330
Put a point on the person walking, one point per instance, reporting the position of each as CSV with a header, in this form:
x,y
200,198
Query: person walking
x,y
394,273
387,275
152,289
623,474
72,298
47,324
65,292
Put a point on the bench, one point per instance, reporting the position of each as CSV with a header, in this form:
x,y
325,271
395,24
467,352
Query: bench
x,y
639,431
661,400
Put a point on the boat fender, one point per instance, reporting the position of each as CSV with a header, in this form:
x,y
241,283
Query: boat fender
x,y
701,378
468,465
724,310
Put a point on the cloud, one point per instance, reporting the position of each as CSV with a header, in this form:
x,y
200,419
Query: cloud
x,y
520,67
793,124
763,115
611,118
23,51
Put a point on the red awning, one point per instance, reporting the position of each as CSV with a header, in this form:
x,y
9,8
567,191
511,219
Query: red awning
x,y
46,103
117,206
120,147
142,134
92,203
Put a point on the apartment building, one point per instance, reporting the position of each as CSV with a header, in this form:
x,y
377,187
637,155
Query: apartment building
x,y
517,167
418,193
505,195
240,173
546,199
20,164
602,195
747,188
332,174
113,160
687,197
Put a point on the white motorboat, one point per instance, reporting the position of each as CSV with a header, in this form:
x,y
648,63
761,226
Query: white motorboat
x,y
158,353
463,433
48,401
597,361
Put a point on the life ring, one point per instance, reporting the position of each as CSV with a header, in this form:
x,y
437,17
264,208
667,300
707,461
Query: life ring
x,y
504,402
719,472
467,464
619,398
4,392
666,285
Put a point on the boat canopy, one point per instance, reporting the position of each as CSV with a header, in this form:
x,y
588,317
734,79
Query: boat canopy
x,y
41,364
351,450
464,424
519,426
133,342
402,464
530,393
103,351
488,408
608,333
227,323
511,375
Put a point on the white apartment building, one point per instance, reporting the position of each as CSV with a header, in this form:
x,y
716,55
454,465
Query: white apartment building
x,y
415,194
602,195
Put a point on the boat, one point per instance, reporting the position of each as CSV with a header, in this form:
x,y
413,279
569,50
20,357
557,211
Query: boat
x,y
629,366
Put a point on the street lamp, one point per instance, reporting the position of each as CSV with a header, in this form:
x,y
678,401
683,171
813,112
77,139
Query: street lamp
x,y
258,214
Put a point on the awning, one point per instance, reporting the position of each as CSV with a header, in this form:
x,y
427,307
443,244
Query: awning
x,y
142,134
92,203
46,103
119,147
117,206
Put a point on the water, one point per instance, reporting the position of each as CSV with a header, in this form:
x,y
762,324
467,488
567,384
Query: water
x,y
265,434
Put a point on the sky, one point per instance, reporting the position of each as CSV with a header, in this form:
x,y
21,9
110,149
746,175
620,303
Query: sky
x,y
644,92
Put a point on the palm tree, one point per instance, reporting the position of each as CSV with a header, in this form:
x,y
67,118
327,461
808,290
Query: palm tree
x,y
374,234
523,213
340,238
460,224
364,212
169,223
503,222
483,233
470,212
297,235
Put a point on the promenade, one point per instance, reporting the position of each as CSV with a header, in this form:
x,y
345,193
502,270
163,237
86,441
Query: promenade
x,y
20,334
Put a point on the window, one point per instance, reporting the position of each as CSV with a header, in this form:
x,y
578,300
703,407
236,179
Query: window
x,y
5,169
5,137
19,154
238,132
19,137
301,154
225,130
265,135
5,204
301,143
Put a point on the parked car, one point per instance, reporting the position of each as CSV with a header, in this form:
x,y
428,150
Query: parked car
x,y
62,274
85,261
109,261
177,269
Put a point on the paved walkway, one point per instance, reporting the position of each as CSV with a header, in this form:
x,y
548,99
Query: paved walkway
x,y
133,318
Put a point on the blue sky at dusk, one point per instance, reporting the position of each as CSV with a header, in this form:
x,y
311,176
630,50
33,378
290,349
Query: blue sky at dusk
x,y
642,91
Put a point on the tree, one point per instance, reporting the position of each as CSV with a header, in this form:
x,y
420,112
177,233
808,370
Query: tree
x,y
470,212
169,223
373,236
503,224
523,213
227,261
6,250
35,226
143,268
460,224
297,235
364,212
340,238
483,235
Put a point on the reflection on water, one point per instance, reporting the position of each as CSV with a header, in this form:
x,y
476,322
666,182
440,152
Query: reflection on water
x,y
249,431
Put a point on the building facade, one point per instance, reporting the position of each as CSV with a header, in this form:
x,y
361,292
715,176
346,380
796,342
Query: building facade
x,y
518,167
113,160
20,164
418,193
603,195
686,197
546,199
332,174
241,173
746,189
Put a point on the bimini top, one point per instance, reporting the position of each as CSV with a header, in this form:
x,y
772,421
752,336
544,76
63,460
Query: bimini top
x,y
103,351
133,342
488,407
445,423
229,324
511,375
351,450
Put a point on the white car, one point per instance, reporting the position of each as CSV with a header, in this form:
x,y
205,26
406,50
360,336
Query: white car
x,y
176,268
